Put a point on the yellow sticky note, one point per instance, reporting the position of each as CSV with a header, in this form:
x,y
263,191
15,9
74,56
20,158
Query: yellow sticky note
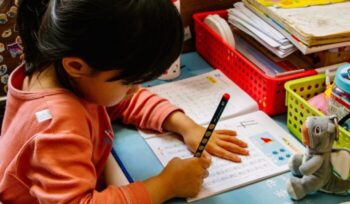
x,y
211,79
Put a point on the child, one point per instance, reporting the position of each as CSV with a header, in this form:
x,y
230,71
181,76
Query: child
x,y
82,56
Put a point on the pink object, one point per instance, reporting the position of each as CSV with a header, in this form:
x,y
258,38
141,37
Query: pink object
x,y
54,145
320,102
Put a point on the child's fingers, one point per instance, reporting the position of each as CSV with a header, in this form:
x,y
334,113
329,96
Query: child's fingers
x,y
205,174
175,159
206,155
232,147
234,140
205,161
227,132
220,152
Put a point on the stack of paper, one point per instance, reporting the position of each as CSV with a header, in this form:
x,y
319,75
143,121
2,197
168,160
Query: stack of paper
x,y
269,37
296,3
274,66
311,29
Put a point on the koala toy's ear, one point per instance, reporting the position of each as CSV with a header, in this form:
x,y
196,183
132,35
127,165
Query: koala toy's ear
x,y
334,126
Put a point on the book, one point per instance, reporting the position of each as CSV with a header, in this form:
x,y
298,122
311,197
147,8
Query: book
x,y
303,47
269,37
296,3
313,25
256,56
191,95
270,146
296,62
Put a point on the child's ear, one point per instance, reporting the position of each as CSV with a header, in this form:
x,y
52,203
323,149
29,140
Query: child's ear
x,y
76,67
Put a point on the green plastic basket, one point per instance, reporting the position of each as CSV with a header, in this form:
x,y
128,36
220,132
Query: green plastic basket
x,y
297,93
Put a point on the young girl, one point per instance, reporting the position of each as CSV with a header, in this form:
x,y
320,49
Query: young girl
x,y
82,56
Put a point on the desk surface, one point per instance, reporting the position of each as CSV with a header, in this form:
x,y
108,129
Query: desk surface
x,y
135,156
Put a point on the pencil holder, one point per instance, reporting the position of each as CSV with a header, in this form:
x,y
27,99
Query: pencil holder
x,y
298,92
267,91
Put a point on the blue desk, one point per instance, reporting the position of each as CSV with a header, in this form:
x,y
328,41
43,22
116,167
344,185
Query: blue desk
x,y
133,153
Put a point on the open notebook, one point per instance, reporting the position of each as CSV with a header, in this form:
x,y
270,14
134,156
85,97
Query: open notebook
x,y
199,96
269,145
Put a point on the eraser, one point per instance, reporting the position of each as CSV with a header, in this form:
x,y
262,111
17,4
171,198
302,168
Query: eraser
x,y
226,96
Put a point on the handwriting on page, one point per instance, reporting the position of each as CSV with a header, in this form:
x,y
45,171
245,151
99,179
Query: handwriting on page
x,y
192,96
268,149
189,92
223,174
199,96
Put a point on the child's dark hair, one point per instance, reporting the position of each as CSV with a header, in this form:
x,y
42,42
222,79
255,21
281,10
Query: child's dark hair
x,y
140,38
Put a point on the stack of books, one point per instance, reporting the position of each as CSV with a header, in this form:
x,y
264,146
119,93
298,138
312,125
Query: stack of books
x,y
284,39
310,28
251,24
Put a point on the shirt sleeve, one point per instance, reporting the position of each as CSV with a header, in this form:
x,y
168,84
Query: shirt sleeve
x,y
59,169
145,110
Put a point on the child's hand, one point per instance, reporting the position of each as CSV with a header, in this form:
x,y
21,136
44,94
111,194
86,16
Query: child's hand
x,y
180,178
222,143
185,176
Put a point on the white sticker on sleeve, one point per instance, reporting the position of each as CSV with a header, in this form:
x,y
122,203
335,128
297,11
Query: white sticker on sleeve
x,y
43,115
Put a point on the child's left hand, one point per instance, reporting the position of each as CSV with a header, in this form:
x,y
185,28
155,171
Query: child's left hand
x,y
222,143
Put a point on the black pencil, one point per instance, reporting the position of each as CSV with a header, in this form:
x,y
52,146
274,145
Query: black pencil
x,y
212,125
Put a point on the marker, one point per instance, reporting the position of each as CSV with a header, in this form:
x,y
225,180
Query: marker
x,y
212,125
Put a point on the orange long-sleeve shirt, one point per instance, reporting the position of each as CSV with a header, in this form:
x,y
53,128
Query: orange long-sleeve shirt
x,y
54,145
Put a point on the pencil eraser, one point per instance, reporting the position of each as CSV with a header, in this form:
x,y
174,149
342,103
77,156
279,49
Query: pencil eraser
x,y
226,96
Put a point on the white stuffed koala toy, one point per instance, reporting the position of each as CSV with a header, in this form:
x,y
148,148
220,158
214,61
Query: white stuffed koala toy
x,y
319,167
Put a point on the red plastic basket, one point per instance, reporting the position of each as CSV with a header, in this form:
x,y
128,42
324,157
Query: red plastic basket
x,y
268,92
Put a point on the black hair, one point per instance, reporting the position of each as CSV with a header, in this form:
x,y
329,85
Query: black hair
x,y
140,38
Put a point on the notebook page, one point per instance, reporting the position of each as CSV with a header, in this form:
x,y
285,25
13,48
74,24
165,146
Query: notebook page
x,y
269,145
199,96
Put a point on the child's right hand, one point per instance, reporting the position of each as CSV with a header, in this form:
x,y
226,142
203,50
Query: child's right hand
x,y
180,178
185,176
